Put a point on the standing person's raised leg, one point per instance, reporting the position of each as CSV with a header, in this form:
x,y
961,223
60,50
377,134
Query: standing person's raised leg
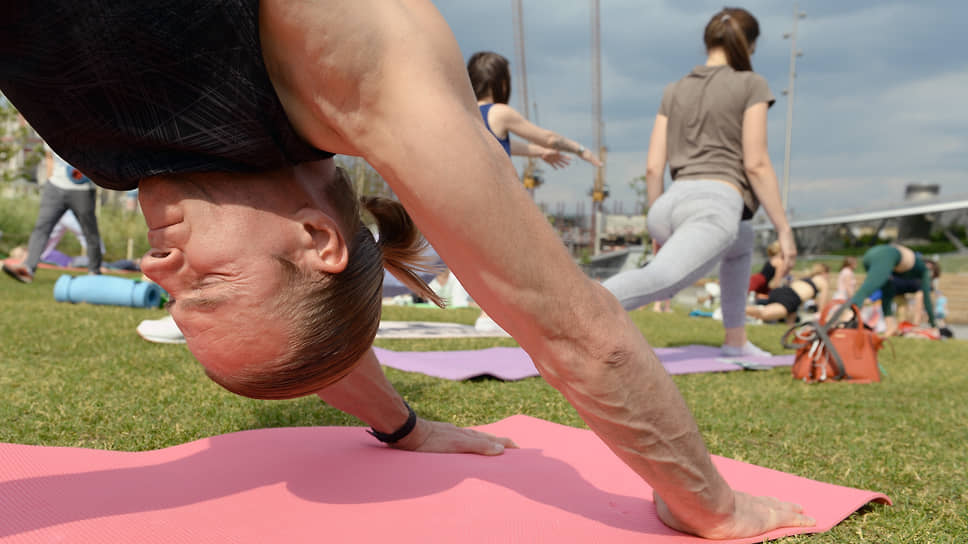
x,y
701,220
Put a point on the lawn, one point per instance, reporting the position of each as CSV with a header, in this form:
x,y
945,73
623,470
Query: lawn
x,y
80,376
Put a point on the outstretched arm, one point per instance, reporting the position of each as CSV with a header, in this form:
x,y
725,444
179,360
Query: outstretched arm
x,y
524,149
367,395
386,80
507,118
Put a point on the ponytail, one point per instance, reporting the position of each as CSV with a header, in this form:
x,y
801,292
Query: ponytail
x,y
402,245
734,30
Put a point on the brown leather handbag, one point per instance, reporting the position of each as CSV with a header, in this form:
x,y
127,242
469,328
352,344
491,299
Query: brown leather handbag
x,y
834,351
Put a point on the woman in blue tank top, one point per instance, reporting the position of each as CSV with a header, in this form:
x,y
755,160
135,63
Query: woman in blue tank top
x,y
491,79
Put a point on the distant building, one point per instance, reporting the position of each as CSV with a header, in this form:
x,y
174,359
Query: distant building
x,y
917,228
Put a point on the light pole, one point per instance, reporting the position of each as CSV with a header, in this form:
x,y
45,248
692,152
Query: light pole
x,y
794,53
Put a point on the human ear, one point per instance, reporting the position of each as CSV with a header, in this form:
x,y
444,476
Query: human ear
x,y
323,246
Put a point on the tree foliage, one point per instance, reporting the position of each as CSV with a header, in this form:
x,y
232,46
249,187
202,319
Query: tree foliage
x,y
16,137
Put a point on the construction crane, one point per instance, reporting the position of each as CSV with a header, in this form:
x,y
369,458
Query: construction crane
x,y
599,190
530,176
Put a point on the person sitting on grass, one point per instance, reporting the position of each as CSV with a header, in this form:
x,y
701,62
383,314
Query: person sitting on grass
x,y
784,302
257,236
772,274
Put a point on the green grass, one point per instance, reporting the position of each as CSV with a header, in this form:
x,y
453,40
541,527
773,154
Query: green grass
x,y
78,375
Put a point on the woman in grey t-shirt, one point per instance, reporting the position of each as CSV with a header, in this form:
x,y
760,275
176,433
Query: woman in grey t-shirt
x,y
711,130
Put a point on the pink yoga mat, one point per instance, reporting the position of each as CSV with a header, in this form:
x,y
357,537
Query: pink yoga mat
x,y
336,484
514,364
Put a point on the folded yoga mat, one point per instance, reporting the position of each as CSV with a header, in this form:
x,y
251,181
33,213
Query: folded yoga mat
x,y
335,484
514,364
107,290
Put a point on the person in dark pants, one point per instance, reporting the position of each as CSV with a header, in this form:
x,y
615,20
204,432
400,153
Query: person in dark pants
x,y
66,189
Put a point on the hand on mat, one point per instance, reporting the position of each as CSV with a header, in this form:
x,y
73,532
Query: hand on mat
x,y
438,437
753,515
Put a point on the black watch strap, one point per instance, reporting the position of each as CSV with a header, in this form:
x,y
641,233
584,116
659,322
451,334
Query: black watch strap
x,y
399,434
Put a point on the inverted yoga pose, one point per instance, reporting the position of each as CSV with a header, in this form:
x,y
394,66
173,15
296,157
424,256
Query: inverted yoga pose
x,y
711,130
257,235
883,261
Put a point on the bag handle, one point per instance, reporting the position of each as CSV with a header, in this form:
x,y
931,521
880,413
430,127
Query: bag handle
x,y
829,346
816,331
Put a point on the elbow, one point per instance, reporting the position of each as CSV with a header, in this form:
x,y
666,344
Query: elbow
x,y
653,171
589,345
757,168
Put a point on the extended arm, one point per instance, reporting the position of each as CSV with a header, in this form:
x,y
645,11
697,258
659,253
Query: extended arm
x,y
524,149
410,112
507,118
759,170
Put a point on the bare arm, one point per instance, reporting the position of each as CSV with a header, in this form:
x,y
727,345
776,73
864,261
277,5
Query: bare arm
x,y
524,149
759,170
582,341
506,118
367,394
823,294
48,165
780,274
655,161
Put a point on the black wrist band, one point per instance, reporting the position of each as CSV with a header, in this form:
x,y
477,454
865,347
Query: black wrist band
x,y
400,433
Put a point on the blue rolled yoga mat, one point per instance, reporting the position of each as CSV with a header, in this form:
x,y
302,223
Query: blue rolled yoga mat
x,y
107,290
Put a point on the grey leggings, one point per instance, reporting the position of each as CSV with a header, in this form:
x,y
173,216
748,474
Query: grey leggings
x,y
697,223
54,201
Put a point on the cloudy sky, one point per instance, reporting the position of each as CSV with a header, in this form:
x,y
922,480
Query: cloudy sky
x,y
881,95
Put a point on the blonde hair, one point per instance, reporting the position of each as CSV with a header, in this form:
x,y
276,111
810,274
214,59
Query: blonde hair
x,y
818,269
335,317
773,249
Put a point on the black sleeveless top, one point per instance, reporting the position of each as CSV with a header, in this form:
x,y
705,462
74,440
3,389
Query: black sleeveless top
x,y
768,271
125,90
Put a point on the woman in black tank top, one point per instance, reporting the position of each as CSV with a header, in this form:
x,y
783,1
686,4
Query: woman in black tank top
x,y
784,302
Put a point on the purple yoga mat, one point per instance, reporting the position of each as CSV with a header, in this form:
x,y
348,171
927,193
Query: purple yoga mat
x,y
514,364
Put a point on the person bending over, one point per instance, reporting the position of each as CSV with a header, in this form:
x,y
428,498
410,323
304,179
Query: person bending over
x,y
257,236
881,263
784,302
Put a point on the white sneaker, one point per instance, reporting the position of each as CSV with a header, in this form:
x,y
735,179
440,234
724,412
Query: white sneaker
x,y
749,350
162,331
484,323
